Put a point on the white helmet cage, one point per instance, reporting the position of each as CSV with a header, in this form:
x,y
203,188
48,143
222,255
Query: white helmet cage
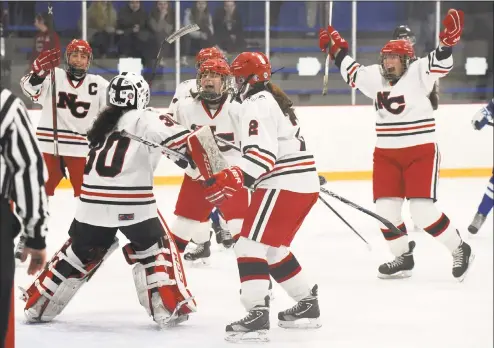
x,y
128,90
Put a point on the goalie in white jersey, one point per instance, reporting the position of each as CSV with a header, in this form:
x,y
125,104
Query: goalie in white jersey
x,y
117,194
79,97
208,107
276,165
406,156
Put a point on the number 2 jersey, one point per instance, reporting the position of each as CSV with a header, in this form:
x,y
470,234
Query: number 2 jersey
x,y
404,115
77,104
274,153
117,189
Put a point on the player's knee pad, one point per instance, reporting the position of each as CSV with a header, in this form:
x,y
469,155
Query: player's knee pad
x,y
62,277
423,212
185,229
390,209
160,282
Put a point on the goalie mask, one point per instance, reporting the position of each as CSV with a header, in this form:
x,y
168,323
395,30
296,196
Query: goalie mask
x,y
128,90
78,57
213,80
395,59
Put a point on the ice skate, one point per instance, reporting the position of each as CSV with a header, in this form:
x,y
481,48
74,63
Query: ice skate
x,y
200,255
400,267
462,260
478,221
253,328
223,236
304,315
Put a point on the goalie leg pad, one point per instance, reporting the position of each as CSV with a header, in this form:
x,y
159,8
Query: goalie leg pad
x,y
57,284
157,283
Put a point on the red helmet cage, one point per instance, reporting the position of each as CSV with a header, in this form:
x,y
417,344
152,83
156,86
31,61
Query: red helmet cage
x,y
208,53
403,49
82,46
253,66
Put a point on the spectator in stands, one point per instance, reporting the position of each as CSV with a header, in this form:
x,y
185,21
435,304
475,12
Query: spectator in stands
x,y
133,34
228,28
161,23
101,25
46,38
199,14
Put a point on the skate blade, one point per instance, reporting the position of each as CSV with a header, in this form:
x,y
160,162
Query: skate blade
x,y
470,261
260,336
303,324
398,275
175,318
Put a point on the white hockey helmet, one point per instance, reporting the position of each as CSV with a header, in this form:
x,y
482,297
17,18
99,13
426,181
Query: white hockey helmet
x,y
128,90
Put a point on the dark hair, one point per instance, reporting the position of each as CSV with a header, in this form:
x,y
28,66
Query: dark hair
x,y
47,20
105,122
283,101
155,13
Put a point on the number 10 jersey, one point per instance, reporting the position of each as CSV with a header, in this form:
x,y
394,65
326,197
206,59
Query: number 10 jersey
x,y
117,189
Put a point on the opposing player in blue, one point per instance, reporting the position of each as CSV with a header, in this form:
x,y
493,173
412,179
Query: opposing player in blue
x,y
481,118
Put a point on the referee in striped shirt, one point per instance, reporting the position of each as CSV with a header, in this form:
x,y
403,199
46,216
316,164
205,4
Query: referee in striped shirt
x,y
22,180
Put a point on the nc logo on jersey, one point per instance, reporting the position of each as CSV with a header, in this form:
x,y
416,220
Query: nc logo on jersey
x,y
78,109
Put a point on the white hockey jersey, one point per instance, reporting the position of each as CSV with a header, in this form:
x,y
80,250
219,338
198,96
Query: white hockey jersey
x,y
273,148
117,189
404,115
183,90
77,103
191,112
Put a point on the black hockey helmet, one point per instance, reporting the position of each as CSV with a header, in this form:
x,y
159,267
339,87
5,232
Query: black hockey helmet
x,y
403,32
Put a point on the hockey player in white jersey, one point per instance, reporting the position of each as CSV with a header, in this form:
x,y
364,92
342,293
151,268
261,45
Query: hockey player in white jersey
x,y
209,106
406,155
276,165
79,97
184,89
117,194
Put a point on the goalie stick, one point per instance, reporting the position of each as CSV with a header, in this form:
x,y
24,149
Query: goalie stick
x,y
385,222
183,161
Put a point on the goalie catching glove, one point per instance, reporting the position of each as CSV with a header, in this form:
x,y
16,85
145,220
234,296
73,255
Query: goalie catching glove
x,y
223,185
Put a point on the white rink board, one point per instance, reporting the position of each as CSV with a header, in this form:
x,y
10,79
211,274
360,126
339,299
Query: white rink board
x,y
343,138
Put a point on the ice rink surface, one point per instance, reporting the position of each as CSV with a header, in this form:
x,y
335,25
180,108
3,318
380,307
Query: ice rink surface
x,y
429,310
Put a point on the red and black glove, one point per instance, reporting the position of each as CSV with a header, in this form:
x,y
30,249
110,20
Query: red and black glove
x,y
223,185
453,27
332,39
46,61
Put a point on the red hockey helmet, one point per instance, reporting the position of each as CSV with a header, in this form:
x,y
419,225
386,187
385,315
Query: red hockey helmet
x,y
400,48
83,47
213,79
251,67
208,53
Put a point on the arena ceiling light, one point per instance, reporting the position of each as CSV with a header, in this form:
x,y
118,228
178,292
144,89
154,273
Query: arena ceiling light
x,y
476,66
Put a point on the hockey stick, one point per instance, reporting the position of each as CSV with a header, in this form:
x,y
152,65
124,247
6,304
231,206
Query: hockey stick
x,y
183,161
326,63
322,181
385,222
170,39
53,90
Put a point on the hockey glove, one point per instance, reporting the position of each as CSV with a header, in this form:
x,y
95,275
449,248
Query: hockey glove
x,y
331,38
223,185
453,27
481,118
46,61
